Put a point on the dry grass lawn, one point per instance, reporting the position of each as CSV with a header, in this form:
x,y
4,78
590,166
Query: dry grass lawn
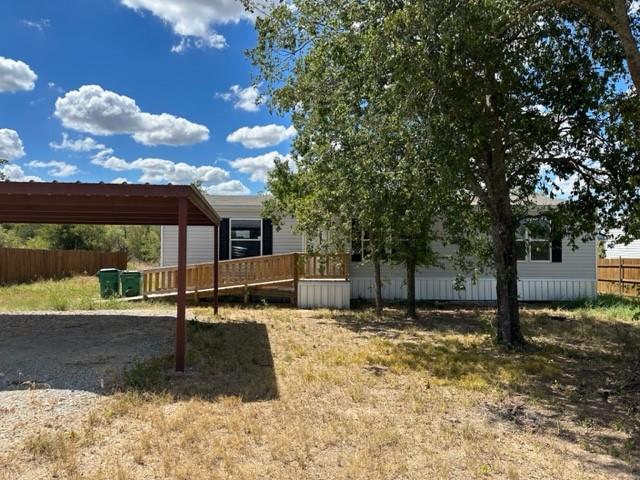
x,y
279,393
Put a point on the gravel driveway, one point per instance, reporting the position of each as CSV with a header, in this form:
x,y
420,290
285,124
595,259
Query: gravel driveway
x,y
54,366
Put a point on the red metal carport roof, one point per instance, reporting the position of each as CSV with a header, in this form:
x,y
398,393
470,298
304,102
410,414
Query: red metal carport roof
x,y
118,204
98,203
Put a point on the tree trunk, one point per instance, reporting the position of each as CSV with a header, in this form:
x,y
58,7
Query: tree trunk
x,y
628,41
503,232
378,287
411,287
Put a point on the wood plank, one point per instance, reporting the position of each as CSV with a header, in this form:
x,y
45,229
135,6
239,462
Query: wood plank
x,y
18,265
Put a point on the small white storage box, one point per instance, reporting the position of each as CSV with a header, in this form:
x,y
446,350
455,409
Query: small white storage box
x,y
324,293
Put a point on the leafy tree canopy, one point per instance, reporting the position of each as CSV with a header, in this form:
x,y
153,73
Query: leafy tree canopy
x,y
495,101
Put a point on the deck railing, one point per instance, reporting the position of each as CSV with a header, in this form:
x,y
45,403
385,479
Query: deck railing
x,y
323,266
244,272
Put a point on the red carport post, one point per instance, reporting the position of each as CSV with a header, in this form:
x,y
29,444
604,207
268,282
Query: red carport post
x,y
216,262
181,333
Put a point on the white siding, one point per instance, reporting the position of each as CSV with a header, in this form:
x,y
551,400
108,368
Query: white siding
x,y
199,245
285,241
579,263
625,251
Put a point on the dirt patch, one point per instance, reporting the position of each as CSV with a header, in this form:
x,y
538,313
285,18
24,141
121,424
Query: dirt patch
x,y
55,366
515,412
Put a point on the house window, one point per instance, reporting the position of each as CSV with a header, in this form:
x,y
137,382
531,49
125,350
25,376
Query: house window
x,y
360,246
533,241
245,238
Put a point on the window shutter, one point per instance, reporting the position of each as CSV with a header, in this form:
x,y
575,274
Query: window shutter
x,y
556,244
224,239
267,236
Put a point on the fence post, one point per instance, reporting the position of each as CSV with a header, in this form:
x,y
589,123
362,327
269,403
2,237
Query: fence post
x,y
296,278
620,275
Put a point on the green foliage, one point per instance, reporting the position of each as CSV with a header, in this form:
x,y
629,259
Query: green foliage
x,y
464,111
2,163
141,242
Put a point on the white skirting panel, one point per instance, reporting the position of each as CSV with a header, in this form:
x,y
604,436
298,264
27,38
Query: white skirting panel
x,y
324,294
484,289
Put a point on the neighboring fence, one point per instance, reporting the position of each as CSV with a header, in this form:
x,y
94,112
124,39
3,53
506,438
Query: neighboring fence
x,y
620,276
19,265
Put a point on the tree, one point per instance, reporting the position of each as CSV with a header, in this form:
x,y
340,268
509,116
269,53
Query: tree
x,y
504,113
357,161
506,106
2,175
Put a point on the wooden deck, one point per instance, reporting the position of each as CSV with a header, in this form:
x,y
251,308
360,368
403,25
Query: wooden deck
x,y
277,274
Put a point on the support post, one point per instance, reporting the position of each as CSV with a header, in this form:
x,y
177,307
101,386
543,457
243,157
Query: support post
x,y
181,328
294,298
216,262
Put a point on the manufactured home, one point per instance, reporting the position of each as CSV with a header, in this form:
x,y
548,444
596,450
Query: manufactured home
x,y
548,270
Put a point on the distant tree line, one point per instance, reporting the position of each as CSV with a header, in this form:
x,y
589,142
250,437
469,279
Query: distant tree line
x,y
141,242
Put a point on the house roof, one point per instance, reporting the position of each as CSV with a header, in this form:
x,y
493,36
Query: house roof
x,y
257,200
225,200
99,203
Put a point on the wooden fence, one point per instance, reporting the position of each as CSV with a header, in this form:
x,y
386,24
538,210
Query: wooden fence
x,y
19,265
620,276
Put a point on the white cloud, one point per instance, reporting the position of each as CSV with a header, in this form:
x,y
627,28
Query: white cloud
x,y
11,147
193,20
246,99
97,111
39,25
232,187
212,41
157,170
120,180
16,75
16,174
258,167
263,136
86,144
56,169
55,87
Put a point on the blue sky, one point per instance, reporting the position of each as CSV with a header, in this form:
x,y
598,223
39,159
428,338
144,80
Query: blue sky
x,y
142,90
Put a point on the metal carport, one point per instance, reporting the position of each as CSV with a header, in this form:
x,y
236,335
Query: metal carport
x,y
118,204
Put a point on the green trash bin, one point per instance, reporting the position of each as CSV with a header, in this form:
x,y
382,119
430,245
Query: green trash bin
x,y
130,283
109,280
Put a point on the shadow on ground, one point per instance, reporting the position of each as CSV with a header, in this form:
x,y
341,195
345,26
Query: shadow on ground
x,y
579,378
223,360
83,351
105,353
